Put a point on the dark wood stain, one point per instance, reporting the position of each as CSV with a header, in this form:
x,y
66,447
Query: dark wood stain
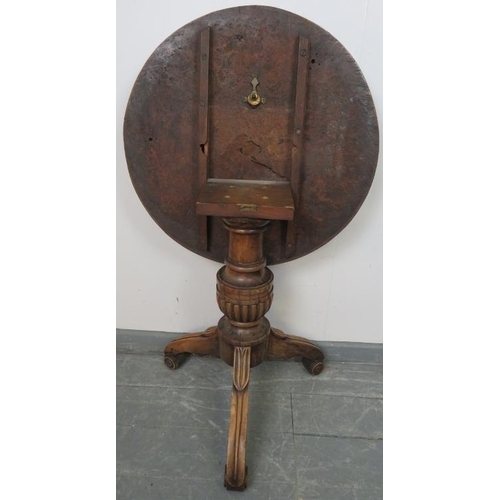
x,y
333,162
243,337
232,127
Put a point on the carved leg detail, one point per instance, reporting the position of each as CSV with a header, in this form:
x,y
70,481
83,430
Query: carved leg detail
x,y
283,346
202,344
235,476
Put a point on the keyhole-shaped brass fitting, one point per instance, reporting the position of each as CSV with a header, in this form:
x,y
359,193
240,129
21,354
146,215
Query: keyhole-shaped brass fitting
x,y
254,98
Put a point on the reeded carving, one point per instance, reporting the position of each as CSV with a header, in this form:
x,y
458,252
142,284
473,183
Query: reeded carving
x,y
241,370
236,445
245,305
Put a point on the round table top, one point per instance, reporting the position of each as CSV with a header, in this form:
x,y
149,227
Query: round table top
x,y
192,116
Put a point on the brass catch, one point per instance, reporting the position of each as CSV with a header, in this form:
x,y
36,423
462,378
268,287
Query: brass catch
x,y
254,98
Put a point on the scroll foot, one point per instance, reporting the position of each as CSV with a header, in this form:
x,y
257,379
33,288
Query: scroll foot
x,y
313,366
174,361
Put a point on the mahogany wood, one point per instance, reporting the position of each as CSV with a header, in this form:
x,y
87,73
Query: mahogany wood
x,y
283,346
298,136
203,126
202,344
235,473
245,121
243,337
188,120
252,199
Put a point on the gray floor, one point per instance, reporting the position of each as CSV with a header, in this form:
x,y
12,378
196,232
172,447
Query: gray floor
x,y
309,437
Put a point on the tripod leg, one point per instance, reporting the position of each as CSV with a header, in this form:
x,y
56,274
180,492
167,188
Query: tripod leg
x,y
202,344
235,475
283,346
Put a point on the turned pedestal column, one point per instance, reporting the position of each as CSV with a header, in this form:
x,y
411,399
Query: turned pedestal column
x,y
243,337
244,295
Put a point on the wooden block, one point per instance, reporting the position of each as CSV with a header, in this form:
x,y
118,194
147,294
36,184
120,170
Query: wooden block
x,y
253,199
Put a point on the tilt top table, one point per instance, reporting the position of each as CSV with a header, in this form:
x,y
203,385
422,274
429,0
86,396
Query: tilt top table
x,y
251,138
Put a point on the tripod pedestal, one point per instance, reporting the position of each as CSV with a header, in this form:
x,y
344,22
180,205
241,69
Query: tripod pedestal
x,y
251,114
243,337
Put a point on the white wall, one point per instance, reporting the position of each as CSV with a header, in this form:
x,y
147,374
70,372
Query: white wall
x,y
334,293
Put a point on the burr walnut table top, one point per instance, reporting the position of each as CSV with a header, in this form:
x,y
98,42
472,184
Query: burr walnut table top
x,y
255,94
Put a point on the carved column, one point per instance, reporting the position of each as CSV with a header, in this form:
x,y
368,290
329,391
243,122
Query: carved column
x,y
244,295
244,291
243,337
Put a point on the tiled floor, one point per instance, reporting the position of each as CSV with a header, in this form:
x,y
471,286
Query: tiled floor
x,y
309,437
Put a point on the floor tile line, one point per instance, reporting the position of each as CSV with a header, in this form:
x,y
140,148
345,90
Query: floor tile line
x,y
197,387
294,447
145,475
170,426
159,355
339,395
336,436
